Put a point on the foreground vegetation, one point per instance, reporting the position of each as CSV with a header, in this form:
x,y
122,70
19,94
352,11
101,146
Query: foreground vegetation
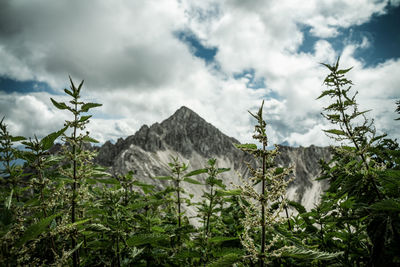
x,y
62,210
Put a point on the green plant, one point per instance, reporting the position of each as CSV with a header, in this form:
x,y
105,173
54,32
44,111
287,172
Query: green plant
x,y
362,173
262,209
81,166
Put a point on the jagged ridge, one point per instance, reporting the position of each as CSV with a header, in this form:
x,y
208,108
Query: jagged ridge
x,y
188,136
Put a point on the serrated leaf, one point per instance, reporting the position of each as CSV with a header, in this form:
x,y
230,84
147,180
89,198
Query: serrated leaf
x,y
69,92
17,138
219,239
226,261
196,172
344,71
98,227
85,118
391,205
221,170
48,141
100,173
80,86
87,106
191,181
246,146
335,131
108,181
186,254
142,239
310,254
326,92
59,105
89,139
36,229
78,223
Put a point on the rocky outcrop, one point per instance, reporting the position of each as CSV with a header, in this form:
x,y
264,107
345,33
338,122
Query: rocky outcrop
x,y
190,138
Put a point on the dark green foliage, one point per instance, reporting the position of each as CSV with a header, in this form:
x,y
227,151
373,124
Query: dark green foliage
x,y
363,183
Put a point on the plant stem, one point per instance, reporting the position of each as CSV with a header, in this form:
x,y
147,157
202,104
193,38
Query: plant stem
x,y
75,255
263,210
209,211
179,208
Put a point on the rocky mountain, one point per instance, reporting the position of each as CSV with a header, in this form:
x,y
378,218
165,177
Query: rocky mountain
x,y
190,138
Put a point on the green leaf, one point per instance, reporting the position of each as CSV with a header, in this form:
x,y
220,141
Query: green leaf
x,y
192,181
326,92
80,86
17,138
187,254
343,71
142,239
310,254
219,239
48,141
89,139
221,170
97,227
78,223
226,261
246,146
300,208
331,68
87,106
108,181
36,229
165,178
100,173
391,205
335,131
69,92
196,172
59,105
85,118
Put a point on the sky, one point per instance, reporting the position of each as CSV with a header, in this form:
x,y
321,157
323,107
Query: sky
x,y
144,59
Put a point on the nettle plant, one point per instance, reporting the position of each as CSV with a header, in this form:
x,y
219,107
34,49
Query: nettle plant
x,y
363,173
10,172
263,209
178,176
78,165
210,209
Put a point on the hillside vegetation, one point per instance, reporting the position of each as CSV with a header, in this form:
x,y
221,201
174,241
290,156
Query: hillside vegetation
x,y
63,210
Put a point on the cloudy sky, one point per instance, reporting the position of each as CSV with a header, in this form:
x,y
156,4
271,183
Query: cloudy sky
x,y
143,59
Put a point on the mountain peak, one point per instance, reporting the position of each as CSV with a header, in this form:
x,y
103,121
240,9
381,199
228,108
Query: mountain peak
x,y
184,132
184,110
183,115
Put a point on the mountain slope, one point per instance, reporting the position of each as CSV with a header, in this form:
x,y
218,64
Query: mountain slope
x,y
190,138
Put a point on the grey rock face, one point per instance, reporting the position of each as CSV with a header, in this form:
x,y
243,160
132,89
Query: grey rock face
x,y
190,138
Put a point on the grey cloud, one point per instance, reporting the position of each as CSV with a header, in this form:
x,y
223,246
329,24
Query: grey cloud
x,y
87,41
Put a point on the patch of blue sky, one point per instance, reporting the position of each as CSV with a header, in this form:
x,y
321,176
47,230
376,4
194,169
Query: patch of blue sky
x,y
382,33
11,86
253,82
196,47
